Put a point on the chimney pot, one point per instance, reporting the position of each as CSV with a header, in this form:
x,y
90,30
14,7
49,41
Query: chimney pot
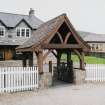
x,y
31,12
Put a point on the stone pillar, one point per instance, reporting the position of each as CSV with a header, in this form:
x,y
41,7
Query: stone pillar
x,y
45,80
79,76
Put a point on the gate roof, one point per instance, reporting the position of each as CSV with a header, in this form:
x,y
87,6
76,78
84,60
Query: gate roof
x,y
43,35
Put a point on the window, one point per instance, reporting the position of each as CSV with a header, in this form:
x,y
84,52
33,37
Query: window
x,y
18,32
93,47
97,47
27,32
23,32
101,47
2,31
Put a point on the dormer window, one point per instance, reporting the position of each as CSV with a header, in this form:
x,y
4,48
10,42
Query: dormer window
x,y
23,32
2,31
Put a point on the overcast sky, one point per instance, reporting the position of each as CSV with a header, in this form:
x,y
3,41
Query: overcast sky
x,y
85,15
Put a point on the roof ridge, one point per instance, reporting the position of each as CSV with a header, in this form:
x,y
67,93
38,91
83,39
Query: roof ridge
x,y
90,33
13,13
62,15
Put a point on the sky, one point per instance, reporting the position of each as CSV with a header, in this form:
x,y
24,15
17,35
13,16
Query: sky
x,y
85,15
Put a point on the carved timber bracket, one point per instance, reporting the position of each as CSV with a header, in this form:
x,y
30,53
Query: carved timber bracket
x,y
81,58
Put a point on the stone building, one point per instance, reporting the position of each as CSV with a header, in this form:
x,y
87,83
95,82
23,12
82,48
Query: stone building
x,y
15,29
96,41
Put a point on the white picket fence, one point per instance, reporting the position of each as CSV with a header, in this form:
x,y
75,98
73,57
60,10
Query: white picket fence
x,y
95,72
14,79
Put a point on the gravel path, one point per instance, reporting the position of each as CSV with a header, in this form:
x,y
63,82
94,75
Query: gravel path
x,y
87,94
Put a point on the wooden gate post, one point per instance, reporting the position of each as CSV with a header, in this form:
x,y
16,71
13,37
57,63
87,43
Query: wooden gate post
x,y
82,63
40,61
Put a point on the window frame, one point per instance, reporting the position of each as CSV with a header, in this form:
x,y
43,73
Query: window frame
x,y
25,30
18,30
3,31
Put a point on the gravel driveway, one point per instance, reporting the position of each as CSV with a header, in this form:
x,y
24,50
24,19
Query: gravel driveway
x,y
87,94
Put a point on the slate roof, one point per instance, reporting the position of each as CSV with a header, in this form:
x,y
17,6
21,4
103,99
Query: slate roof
x,y
83,34
45,30
95,38
11,20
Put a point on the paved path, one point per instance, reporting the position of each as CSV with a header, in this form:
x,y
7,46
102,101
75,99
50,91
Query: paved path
x,y
88,94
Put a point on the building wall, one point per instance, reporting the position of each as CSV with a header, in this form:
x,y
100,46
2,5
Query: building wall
x,y
11,63
50,57
97,47
11,34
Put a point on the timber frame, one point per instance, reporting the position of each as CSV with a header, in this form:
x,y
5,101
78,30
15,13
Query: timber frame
x,y
56,35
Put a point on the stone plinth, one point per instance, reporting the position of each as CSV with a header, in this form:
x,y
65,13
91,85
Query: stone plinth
x,y
79,76
45,80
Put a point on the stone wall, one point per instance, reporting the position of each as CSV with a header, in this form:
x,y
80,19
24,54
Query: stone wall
x,y
11,63
79,75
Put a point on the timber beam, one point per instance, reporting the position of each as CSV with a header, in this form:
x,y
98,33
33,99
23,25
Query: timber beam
x,y
67,37
61,46
60,37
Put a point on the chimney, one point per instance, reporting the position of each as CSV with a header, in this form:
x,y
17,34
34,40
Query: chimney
x,y
31,12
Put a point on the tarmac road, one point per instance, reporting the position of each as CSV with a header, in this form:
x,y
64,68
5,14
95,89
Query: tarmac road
x,y
64,94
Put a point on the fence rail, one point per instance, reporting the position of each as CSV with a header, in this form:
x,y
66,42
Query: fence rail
x,y
13,79
95,72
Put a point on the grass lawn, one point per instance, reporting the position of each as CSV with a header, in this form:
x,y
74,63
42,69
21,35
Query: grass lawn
x,y
88,59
